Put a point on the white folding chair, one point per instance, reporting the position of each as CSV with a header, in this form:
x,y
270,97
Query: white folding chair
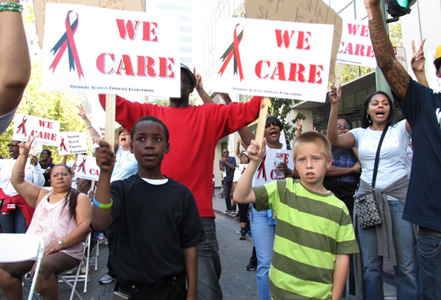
x,y
17,247
72,280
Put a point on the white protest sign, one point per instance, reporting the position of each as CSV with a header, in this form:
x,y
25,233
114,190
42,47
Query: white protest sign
x,y
266,172
40,6
400,54
87,168
355,45
72,143
273,58
45,130
90,49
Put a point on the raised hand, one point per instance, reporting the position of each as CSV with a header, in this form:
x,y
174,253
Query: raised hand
x,y
25,147
335,95
418,60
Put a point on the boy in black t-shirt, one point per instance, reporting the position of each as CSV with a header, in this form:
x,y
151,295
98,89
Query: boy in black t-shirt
x,y
154,252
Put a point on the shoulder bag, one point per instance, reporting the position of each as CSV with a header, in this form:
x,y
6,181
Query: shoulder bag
x,y
366,207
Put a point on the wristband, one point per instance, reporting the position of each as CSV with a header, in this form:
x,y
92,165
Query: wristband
x,y
102,206
88,127
11,6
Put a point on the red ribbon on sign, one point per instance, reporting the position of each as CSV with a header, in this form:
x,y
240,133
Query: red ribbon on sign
x,y
261,169
22,126
62,145
67,41
233,50
83,165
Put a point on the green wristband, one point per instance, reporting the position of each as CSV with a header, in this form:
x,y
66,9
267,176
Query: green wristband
x,y
11,6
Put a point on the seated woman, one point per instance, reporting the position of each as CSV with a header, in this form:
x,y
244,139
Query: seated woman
x,y
62,218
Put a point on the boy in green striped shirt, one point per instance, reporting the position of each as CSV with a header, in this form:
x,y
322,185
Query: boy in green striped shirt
x,y
314,233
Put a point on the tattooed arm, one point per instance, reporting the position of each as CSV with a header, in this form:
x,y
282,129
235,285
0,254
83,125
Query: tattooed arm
x,y
395,74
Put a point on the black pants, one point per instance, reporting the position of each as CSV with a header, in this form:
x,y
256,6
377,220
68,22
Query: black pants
x,y
170,288
228,186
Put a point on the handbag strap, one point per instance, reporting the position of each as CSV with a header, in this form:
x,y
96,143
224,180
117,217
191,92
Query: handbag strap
x,y
377,157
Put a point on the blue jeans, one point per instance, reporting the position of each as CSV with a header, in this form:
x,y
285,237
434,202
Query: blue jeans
x,y
263,239
14,222
209,266
429,259
406,269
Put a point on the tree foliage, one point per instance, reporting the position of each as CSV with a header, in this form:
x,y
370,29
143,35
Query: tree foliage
x,y
55,106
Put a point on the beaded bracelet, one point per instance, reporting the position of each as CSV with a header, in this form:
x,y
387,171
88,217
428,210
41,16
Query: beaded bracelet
x,y
101,205
11,6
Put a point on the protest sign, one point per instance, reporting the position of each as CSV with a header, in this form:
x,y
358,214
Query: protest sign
x,y
86,167
273,58
304,11
45,130
72,143
89,49
266,172
400,54
355,45
40,8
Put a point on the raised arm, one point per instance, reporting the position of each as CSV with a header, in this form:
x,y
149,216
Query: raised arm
x,y
243,192
346,140
200,88
31,192
102,217
395,74
15,64
93,132
418,62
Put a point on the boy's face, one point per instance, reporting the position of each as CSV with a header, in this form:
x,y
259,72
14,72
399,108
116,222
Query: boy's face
x,y
311,164
149,144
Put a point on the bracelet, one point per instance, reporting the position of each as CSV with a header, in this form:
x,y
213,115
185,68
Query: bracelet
x,y
11,6
101,205
88,127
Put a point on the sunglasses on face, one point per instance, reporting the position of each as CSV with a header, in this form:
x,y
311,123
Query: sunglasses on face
x,y
12,145
271,123
124,132
339,126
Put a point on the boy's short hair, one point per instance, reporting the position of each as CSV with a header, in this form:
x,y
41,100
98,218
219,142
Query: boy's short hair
x,y
313,137
153,119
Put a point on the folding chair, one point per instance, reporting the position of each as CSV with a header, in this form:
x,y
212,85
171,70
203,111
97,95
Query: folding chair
x,y
72,280
16,247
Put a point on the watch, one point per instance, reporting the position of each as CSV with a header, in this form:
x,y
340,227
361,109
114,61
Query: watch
x,y
60,242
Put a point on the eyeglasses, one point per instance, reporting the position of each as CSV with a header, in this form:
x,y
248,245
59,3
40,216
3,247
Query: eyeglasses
x,y
124,132
64,174
339,126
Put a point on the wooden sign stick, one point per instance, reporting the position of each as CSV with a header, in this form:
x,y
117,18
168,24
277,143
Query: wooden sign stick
x,y
109,135
263,113
338,76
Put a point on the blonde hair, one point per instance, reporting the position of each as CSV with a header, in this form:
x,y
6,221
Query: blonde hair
x,y
316,138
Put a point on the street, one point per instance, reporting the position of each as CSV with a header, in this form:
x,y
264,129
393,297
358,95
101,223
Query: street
x,y
237,283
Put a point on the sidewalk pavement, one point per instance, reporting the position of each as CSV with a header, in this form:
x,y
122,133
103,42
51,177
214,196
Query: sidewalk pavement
x,y
219,205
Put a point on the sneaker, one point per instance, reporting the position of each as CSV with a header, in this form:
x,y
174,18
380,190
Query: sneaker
x,y
227,211
238,232
106,279
251,267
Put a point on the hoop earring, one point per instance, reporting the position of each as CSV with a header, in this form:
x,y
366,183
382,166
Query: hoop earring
x,y
368,117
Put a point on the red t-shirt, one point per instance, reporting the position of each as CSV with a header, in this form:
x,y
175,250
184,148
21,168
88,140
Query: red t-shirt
x,y
194,133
